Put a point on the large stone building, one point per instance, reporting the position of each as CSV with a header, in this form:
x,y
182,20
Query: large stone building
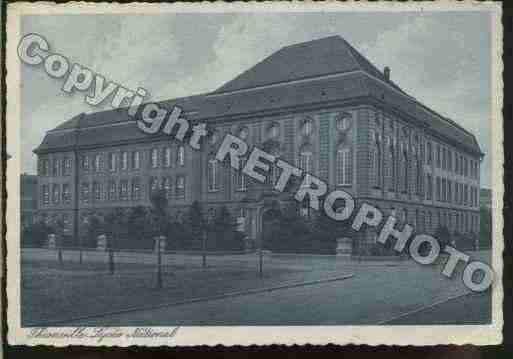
x,y
320,105
29,199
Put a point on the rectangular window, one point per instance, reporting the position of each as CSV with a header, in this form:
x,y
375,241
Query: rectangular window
x,y
429,187
344,167
444,190
438,188
449,160
55,167
180,187
123,190
444,159
136,160
167,187
85,163
466,167
124,161
240,180
98,163
97,191
154,157
429,153
456,192
136,190
449,191
44,167
212,175
45,190
438,155
66,193
66,167
56,195
167,157
180,156
112,191
465,195
113,162
84,192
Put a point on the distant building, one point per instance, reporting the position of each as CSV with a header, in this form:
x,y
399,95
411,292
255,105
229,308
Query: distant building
x,y
29,199
320,105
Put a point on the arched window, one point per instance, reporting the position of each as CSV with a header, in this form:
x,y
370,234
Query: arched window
x,y
344,166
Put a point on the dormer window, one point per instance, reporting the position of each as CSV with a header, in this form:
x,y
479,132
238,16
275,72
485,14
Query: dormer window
x,y
243,133
214,136
344,122
273,131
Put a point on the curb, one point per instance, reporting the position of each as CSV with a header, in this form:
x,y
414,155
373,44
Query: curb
x,y
419,310
199,299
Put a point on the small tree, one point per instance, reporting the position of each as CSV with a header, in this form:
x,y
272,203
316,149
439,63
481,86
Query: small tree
x,y
159,220
223,232
115,222
139,227
195,220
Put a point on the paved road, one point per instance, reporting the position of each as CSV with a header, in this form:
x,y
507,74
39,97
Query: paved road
x,y
371,297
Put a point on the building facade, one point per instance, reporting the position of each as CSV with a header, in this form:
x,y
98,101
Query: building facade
x,y
29,199
319,105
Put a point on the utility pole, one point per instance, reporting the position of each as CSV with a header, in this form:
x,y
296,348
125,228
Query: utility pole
x,y
204,247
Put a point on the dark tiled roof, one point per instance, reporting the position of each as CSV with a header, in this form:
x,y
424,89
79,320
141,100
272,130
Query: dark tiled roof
x,y
310,59
269,86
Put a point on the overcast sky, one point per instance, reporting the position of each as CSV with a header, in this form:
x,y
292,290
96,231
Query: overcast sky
x,y
442,59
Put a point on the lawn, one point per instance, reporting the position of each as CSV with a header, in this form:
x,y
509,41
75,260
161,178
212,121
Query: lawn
x,y
52,292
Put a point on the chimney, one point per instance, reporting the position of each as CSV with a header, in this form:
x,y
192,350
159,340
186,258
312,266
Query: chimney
x,y
386,72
